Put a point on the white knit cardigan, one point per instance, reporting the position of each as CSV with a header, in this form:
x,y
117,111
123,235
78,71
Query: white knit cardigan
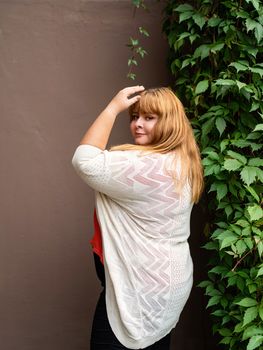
x,y
145,225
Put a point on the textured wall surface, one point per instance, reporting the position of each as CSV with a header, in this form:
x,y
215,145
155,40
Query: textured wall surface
x,y
60,63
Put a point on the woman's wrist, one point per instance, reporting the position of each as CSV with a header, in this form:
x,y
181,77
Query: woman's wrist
x,y
112,110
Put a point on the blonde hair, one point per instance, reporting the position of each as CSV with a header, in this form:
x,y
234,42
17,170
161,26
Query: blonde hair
x,y
172,133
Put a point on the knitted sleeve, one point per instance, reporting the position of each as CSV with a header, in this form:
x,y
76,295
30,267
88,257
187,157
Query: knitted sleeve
x,y
104,171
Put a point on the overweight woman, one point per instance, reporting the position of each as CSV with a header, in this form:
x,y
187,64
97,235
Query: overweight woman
x,y
144,196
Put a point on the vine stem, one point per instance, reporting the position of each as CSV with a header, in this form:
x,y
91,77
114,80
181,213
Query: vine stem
x,y
240,260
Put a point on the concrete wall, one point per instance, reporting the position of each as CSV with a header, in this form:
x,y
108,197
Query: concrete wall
x,y
60,63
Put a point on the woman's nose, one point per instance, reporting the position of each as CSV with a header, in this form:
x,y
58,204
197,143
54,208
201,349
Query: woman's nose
x,y
139,122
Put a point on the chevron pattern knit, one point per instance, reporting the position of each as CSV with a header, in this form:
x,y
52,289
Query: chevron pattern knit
x,y
145,225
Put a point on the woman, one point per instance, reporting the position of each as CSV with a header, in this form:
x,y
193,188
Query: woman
x,y
144,197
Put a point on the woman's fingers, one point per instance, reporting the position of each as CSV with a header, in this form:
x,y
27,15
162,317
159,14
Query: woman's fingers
x,y
124,99
134,99
133,89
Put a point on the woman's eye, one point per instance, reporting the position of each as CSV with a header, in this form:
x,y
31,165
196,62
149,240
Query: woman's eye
x,y
134,117
149,118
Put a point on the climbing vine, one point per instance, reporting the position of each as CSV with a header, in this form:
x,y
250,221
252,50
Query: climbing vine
x,y
137,50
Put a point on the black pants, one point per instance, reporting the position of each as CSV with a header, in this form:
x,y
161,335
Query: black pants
x,y
102,337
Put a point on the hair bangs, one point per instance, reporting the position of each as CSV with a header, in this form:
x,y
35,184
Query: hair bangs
x,y
148,104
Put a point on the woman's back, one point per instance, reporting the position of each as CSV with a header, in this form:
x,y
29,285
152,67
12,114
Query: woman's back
x,y
145,226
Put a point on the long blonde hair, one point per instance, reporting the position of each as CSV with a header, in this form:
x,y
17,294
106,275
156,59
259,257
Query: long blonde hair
x,y
172,133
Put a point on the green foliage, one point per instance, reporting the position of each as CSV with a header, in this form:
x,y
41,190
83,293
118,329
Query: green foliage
x,y
137,50
216,59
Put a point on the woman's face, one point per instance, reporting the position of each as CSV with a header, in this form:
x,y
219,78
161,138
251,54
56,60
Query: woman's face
x,y
141,127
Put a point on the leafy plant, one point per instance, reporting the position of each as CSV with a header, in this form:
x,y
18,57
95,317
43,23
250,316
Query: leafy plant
x,y
137,51
216,60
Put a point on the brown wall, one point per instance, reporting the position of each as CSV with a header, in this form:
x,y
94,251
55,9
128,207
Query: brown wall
x,y
61,61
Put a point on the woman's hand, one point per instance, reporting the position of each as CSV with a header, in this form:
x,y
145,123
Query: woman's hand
x,y
123,101
99,132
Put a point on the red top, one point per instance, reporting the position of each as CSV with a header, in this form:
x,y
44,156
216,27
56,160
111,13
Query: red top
x,y
96,240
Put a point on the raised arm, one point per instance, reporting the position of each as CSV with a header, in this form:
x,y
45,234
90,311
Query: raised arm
x,y
98,133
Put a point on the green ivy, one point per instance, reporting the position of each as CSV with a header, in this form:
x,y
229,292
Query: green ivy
x,y
137,51
216,60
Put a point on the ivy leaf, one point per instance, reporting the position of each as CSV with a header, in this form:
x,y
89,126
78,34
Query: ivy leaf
x,y
213,21
250,24
223,145
232,164
259,32
220,270
253,193
208,126
199,20
216,47
241,143
241,247
213,301
220,188
202,51
240,85
250,314
183,35
186,62
255,342
227,82
248,174
220,125
228,241
255,212
131,76
258,127
138,3
260,273
257,71
255,3
260,252
221,191
255,106
253,51
193,37
144,31
202,86
254,135
242,223
184,7
255,146
225,332
134,42
214,169
185,15
259,174
239,66
249,242
247,302
237,156
255,162
132,61
251,331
